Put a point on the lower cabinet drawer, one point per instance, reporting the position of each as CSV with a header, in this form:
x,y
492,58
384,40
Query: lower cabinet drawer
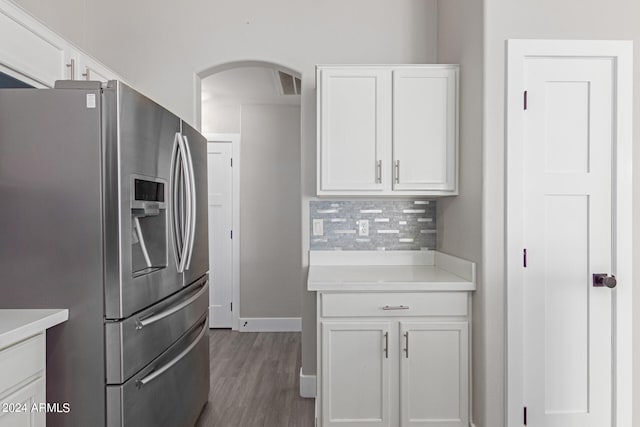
x,y
394,304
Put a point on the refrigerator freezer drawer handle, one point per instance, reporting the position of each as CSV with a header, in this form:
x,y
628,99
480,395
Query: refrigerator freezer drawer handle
x,y
141,323
155,374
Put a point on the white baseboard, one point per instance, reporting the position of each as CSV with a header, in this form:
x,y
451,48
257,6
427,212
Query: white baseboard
x,y
307,385
270,324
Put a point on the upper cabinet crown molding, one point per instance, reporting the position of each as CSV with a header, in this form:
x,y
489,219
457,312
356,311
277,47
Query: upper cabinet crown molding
x,y
387,130
37,55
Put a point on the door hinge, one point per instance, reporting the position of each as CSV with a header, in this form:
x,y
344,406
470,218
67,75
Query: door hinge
x,y
524,258
525,415
231,305
525,99
231,234
232,162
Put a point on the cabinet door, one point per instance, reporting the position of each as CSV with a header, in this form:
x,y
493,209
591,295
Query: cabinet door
x,y
22,408
355,373
425,129
354,129
434,374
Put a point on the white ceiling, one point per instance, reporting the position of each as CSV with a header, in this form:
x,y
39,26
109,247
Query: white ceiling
x,y
244,85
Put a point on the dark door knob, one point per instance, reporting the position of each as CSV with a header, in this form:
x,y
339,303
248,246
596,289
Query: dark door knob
x,y
610,281
601,280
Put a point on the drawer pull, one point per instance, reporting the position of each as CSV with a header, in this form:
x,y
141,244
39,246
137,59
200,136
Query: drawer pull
x,y
395,307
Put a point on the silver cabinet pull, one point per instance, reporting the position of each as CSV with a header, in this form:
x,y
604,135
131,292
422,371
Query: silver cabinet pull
x,y
155,374
395,307
87,74
406,344
397,171
379,172
146,321
386,345
72,66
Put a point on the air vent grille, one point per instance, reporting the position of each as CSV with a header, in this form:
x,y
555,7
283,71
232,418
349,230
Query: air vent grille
x,y
290,85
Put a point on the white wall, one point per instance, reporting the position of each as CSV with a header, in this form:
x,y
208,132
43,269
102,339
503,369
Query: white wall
x,y
160,46
460,41
221,119
568,19
270,227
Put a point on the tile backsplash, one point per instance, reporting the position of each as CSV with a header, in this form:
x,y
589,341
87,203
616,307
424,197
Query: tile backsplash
x,y
392,224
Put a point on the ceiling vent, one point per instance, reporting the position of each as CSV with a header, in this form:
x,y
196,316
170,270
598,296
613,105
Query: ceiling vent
x,y
289,84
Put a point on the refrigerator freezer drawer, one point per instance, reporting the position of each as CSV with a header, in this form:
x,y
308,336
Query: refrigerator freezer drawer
x,y
134,342
171,391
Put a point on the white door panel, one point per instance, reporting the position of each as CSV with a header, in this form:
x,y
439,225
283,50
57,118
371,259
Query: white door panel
x,y
424,129
220,187
434,380
354,130
355,361
568,237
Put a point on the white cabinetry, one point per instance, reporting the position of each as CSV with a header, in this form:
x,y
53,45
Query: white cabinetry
x,y
22,383
387,130
393,359
34,54
356,373
434,376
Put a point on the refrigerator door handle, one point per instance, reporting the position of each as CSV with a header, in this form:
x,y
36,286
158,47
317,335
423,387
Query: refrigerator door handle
x,y
186,179
192,202
175,217
156,373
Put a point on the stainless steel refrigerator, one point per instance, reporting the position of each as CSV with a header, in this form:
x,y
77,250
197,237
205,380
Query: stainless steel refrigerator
x,y
104,212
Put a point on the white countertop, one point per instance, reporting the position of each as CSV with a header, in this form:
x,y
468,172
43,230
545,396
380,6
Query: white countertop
x,y
18,324
390,271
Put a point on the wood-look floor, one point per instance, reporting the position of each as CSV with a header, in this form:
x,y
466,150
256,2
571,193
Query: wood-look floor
x,y
255,381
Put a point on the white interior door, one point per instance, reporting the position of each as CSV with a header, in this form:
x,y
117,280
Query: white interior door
x,y
220,234
568,212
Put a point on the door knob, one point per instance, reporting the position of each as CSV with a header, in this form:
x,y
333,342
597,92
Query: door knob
x,y
601,280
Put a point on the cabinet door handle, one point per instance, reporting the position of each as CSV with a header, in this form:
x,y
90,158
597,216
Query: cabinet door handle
x,y
379,172
72,66
87,74
386,345
395,307
397,171
406,344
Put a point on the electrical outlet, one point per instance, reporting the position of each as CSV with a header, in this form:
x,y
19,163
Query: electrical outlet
x,y
318,227
363,227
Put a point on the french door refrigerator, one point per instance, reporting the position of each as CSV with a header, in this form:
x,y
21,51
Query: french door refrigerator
x,y
104,212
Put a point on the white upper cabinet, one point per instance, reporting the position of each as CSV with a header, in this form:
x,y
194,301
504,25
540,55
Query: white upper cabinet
x,y
36,55
354,130
425,129
387,130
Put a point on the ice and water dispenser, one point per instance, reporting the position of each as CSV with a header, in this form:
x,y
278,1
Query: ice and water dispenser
x,y
148,225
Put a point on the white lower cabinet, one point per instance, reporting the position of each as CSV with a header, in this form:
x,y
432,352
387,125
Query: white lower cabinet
x,y
355,373
434,378
393,369
22,383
